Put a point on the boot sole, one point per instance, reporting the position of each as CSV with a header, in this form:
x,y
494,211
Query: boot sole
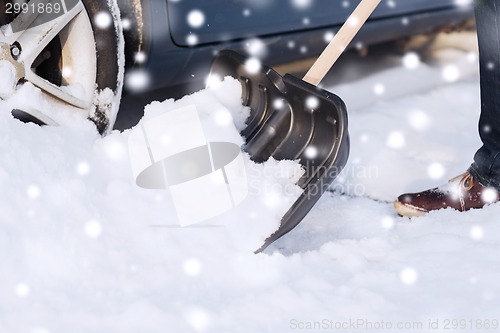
x,y
408,210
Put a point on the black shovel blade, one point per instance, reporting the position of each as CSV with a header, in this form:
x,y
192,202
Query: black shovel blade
x,y
290,119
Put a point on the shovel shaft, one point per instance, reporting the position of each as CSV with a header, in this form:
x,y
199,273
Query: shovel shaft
x,y
340,42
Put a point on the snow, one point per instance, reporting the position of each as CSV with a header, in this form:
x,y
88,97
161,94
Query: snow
x,y
256,47
328,36
253,65
114,107
196,18
137,80
85,250
411,60
8,75
192,39
302,4
103,20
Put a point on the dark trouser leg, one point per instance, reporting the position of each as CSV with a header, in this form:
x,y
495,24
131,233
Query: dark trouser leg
x,y
486,166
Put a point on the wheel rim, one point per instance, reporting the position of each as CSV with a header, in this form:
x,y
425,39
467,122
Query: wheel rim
x,y
65,77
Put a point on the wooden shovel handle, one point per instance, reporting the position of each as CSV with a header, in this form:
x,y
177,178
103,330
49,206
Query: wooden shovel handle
x,y
340,42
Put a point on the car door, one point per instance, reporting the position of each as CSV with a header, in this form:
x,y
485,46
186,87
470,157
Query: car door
x,y
204,22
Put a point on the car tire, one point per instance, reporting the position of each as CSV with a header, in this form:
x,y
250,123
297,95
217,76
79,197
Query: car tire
x,y
110,60
79,68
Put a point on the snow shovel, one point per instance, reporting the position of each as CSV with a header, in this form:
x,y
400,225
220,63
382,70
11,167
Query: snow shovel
x,y
292,119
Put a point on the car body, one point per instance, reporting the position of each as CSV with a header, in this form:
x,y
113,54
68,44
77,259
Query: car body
x,y
290,29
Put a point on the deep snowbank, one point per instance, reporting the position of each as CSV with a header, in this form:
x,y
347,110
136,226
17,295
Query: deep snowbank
x,y
84,250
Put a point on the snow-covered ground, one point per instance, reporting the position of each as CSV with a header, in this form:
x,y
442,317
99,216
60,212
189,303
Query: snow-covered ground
x,y
85,250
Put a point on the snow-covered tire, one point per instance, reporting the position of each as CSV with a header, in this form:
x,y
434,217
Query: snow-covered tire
x,y
110,59
77,63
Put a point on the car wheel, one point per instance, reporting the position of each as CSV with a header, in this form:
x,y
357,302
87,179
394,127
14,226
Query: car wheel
x,y
62,58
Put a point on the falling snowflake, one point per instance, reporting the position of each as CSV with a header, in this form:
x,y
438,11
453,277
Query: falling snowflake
x,y
388,222
253,65
411,60
93,229
489,195
476,233
213,81
271,198
436,171
256,47
396,140
306,21
223,118
33,192
246,12
353,21
192,39
159,198
197,318
103,20
328,36
67,72
83,168
22,289
165,140
463,3
278,103
346,4
196,18
451,73
379,89
419,120
391,3
192,267
472,56
137,80
140,57
312,102
126,24
311,152
408,276
302,4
